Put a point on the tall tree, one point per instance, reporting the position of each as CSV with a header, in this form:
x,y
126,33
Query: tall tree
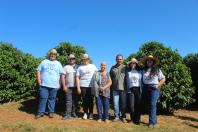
x,y
178,89
191,61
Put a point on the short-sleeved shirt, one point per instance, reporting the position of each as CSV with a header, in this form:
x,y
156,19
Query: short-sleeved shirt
x,y
134,78
50,73
70,73
154,79
85,73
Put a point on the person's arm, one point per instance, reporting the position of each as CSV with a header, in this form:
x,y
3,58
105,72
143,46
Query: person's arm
x,y
161,79
78,85
161,82
63,82
38,77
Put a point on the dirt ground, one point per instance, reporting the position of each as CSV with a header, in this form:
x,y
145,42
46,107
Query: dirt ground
x,y
19,116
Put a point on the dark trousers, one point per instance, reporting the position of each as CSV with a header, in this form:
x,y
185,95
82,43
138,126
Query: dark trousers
x,y
87,99
71,101
134,104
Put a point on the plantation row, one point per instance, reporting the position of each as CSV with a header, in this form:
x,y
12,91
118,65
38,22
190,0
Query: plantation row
x,y
18,78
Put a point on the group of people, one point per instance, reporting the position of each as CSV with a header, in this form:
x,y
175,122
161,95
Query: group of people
x,y
125,84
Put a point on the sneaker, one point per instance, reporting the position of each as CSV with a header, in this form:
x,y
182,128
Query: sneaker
x,y
107,120
91,116
151,126
51,115
99,120
85,116
124,120
115,119
66,117
38,116
74,115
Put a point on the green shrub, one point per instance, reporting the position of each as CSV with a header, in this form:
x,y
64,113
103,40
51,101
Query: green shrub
x,y
17,73
191,61
64,49
178,89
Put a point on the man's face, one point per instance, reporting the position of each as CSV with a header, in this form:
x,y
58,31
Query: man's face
x,y
52,56
72,61
119,60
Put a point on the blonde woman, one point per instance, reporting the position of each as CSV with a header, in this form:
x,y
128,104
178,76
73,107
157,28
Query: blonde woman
x,y
101,83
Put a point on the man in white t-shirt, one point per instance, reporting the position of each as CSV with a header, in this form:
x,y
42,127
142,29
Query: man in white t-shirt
x,y
84,75
69,87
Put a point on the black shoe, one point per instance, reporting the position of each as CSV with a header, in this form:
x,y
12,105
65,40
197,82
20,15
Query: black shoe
x,y
136,123
38,116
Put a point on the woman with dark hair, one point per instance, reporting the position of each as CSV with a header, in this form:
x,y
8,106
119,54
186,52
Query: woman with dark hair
x,y
153,78
134,88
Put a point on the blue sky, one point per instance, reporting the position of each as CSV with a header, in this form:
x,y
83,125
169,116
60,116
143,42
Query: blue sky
x,y
104,27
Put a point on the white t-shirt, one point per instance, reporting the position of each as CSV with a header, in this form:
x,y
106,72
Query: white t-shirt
x,y
70,74
155,79
85,73
134,78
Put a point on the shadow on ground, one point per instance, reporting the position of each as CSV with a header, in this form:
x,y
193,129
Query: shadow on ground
x,y
29,106
187,118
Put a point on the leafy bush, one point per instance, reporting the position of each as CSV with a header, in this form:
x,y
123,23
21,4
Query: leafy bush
x,y
64,49
17,73
178,89
191,61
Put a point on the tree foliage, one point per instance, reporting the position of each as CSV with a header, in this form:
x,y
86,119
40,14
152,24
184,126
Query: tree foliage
x,y
178,89
17,73
64,49
191,61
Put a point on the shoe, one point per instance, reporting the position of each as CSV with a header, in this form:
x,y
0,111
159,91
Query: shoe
x,y
115,119
51,115
91,116
85,116
99,120
38,116
66,117
136,123
74,115
107,120
151,126
124,120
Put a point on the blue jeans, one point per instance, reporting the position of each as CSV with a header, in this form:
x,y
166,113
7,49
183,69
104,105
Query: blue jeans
x,y
102,102
119,95
151,95
46,96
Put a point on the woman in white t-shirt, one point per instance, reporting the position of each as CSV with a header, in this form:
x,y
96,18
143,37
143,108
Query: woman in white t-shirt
x,y
84,76
134,86
153,78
